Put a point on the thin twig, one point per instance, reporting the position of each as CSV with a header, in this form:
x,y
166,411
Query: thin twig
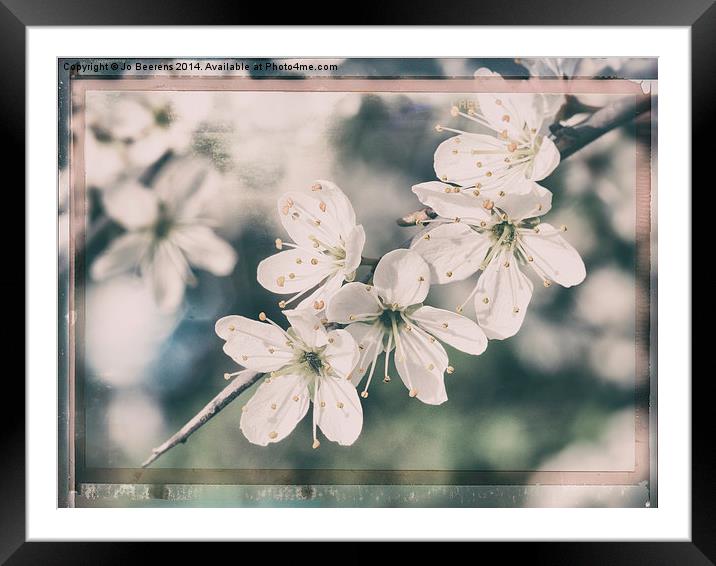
x,y
570,139
241,383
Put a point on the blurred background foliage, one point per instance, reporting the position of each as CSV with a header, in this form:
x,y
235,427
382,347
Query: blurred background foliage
x,y
557,396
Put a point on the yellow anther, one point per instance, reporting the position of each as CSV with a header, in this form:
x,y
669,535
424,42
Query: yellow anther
x,y
316,187
486,300
280,281
449,274
413,392
318,305
454,111
273,434
450,369
262,316
315,444
547,283
279,243
282,304
314,261
322,206
364,394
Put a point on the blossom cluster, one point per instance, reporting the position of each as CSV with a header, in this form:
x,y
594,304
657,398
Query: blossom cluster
x,y
487,206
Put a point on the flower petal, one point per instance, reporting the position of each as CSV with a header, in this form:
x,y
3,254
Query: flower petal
x,y
369,338
318,300
337,205
554,256
463,205
421,364
255,345
452,328
502,296
307,327
275,409
340,414
123,254
204,249
453,251
515,114
475,159
354,301
131,205
546,160
402,278
532,200
291,271
316,217
354,249
341,352
168,274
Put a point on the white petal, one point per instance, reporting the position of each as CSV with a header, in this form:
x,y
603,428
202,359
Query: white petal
x,y
402,278
205,249
553,255
354,249
354,301
255,345
421,364
341,352
463,205
369,338
168,273
453,251
531,200
180,184
468,158
341,416
321,297
452,328
546,160
502,296
337,205
305,220
261,423
291,271
307,327
131,205
123,254
512,112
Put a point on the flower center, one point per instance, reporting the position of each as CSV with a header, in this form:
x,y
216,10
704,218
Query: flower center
x,y
313,361
505,233
164,223
388,316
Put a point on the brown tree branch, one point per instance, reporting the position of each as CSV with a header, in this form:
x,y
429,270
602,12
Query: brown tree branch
x,y
241,383
570,139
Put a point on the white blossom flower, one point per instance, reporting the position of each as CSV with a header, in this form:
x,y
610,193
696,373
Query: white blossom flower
x,y
304,364
142,126
389,315
516,150
472,235
165,235
326,250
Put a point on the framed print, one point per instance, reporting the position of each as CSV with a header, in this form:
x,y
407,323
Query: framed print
x,y
351,287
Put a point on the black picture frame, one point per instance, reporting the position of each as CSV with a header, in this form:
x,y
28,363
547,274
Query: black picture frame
x,y
17,15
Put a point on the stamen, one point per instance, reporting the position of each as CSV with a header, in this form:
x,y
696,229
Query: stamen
x,y
279,243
